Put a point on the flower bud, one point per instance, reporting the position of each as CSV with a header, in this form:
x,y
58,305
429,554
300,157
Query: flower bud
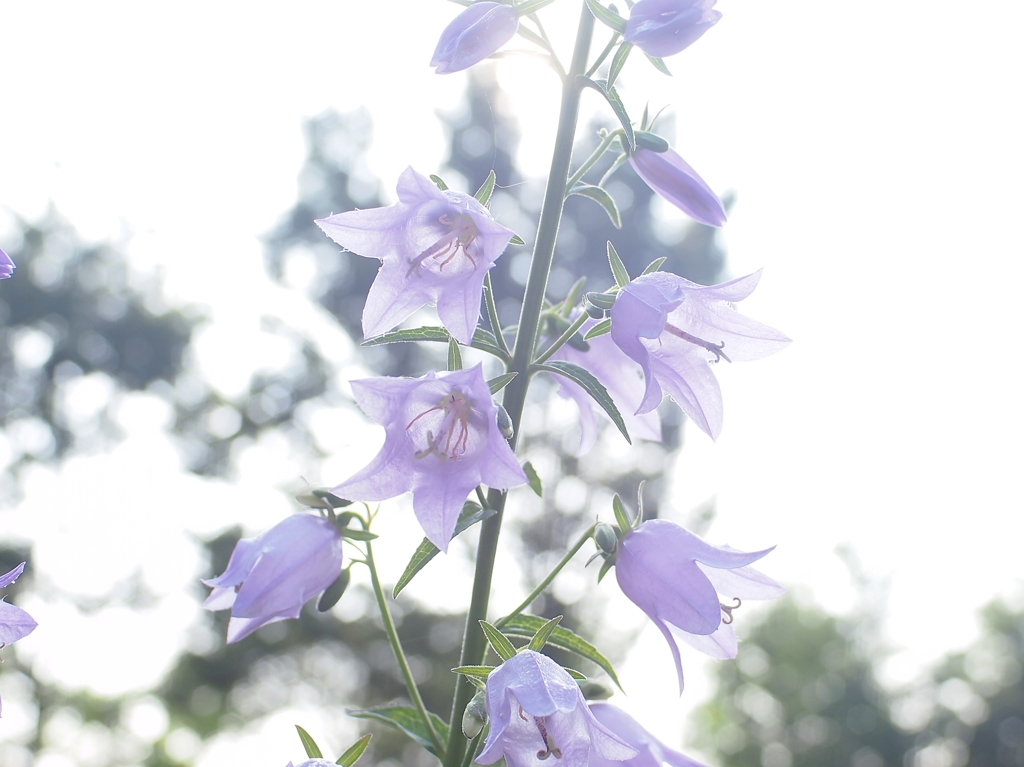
x,y
475,34
333,593
594,312
652,141
665,27
505,422
606,538
475,716
671,176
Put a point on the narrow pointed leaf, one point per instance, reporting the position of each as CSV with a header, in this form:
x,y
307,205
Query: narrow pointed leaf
x,y
618,61
639,503
618,268
655,265
591,386
531,6
312,750
573,297
643,119
351,756
498,383
606,17
483,194
659,64
534,479
563,639
471,514
621,516
579,677
483,340
408,720
612,97
602,198
517,240
440,182
475,672
604,327
608,563
543,634
454,355
499,643
358,535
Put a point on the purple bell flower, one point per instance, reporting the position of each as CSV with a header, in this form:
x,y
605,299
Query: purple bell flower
x,y
671,176
270,577
441,441
15,623
676,578
537,711
665,27
473,35
673,328
651,752
6,265
436,247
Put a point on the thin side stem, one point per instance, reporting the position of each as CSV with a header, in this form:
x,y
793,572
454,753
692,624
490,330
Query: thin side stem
x,y
396,645
594,157
492,315
604,54
562,339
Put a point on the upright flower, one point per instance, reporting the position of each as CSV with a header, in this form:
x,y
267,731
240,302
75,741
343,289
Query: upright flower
x,y
671,176
441,441
676,578
436,247
6,265
537,711
674,328
15,623
664,27
473,35
651,752
270,577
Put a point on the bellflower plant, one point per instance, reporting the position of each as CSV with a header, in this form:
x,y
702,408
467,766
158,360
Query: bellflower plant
x,y
671,177
673,328
651,752
676,578
15,623
473,35
537,711
665,27
6,265
436,247
270,577
441,441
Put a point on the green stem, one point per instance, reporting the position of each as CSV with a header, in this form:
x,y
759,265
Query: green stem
x,y
604,54
492,315
589,163
550,576
396,645
473,643
563,339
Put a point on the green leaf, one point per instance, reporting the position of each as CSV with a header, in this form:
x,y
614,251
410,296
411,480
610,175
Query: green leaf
x,y
575,674
621,515
572,298
517,240
454,355
600,329
483,340
358,535
474,672
312,750
602,198
639,503
612,97
608,563
408,720
499,643
534,479
471,514
440,182
351,756
618,61
660,66
591,386
498,383
606,17
543,634
618,268
563,639
531,6
483,194
655,265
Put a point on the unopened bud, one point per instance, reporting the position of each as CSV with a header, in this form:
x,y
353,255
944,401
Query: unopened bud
x,y
601,300
333,592
605,537
475,716
594,313
321,498
505,423
652,141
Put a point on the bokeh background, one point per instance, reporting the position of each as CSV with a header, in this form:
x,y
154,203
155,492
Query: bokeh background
x,y
176,343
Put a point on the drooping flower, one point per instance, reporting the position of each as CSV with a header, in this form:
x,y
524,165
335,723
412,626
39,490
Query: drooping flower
x,y
665,27
537,711
676,578
674,328
270,577
473,35
441,441
15,623
6,265
622,379
673,178
651,752
436,247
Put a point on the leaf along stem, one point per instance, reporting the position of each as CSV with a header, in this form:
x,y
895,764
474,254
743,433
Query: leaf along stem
x,y
492,315
594,157
563,339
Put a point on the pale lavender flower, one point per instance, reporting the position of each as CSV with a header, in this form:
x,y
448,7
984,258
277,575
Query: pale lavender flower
x,y
651,752
441,441
436,247
537,711
473,35
673,178
624,383
6,265
664,27
15,623
270,577
674,328
676,578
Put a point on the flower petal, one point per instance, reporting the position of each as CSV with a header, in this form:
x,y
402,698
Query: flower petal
x,y
15,623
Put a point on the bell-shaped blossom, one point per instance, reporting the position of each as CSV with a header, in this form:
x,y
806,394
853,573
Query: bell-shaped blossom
x,y
675,328
15,623
270,577
436,247
671,176
473,35
676,578
651,752
6,265
537,711
620,377
664,27
441,441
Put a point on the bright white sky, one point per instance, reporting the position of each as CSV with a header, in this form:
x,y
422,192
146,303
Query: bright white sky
x,y
877,157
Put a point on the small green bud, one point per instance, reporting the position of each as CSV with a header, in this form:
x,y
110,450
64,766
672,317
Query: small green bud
x,y
333,592
605,537
505,423
594,313
321,498
652,141
475,716
601,300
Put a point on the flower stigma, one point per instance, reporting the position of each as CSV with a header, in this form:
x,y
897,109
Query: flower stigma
x,y
550,749
714,348
453,429
727,609
461,233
